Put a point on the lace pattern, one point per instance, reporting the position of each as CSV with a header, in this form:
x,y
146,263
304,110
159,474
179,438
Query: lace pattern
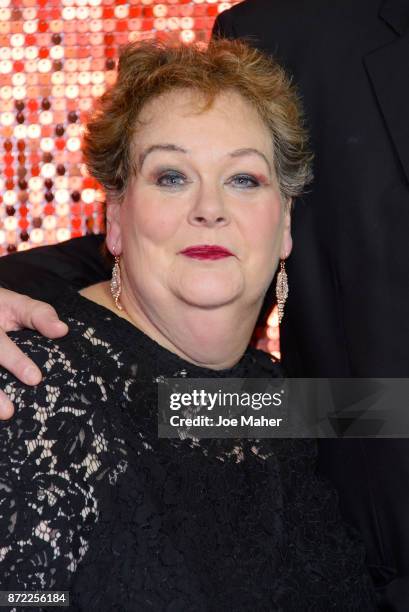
x,y
94,503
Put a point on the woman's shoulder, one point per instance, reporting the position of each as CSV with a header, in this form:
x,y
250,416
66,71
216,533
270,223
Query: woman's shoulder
x,y
70,372
69,418
88,350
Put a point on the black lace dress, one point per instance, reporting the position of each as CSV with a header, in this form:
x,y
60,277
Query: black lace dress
x,y
93,502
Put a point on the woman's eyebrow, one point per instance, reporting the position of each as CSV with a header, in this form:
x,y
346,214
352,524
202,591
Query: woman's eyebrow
x,y
158,147
250,151
173,147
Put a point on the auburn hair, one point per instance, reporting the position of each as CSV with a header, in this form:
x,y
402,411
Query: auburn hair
x,y
148,69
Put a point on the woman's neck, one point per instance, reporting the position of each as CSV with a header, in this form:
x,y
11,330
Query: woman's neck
x,y
210,338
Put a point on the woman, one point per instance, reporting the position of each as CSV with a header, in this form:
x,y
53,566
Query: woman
x,y
200,153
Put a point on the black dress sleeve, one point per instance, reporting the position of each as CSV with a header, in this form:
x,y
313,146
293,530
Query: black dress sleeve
x,y
50,457
45,272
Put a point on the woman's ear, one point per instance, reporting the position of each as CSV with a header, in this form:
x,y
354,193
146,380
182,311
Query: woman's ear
x,y
287,241
113,239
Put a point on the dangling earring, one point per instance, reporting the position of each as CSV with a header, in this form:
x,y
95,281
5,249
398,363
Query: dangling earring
x,y
116,283
281,290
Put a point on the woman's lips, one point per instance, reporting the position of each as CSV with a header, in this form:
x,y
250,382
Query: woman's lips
x,y
206,251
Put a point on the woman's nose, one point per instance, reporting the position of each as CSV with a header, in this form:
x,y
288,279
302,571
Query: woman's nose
x,y
209,208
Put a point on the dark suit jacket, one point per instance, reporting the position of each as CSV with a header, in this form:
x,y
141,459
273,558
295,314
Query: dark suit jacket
x,y
348,307
347,312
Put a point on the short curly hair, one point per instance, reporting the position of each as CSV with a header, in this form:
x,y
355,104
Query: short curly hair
x,y
149,69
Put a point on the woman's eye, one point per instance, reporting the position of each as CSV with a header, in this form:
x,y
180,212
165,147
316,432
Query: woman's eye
x,y
171,179
244,180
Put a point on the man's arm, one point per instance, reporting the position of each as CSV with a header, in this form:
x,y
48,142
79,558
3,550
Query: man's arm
x,y
42,273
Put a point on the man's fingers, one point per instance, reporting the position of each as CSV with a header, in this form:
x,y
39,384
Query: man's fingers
x,y
19,311
25,312
44,319
6,407
14,360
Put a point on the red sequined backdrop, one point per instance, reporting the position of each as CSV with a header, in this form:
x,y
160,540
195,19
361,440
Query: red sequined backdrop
x,y
56,57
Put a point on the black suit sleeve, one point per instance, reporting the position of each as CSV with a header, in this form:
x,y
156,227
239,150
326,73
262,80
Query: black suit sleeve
x,y
44,272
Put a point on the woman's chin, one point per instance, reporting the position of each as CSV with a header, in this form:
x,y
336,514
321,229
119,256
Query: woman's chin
x,y
210,291
208,302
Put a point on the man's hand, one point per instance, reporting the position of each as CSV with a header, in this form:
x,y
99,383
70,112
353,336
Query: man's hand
x,y
18,312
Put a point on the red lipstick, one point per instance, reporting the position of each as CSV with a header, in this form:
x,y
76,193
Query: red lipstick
x,y
206,251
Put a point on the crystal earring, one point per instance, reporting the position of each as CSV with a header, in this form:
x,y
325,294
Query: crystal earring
x,y
281,290
116,283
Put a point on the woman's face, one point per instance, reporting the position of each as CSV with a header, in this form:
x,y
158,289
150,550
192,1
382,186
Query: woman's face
x,y
202,179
